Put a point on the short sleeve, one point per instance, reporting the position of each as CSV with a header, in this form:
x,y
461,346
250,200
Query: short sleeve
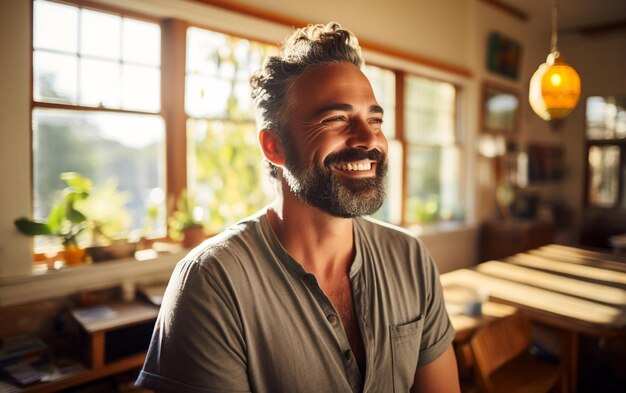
x,y
438,331
197,344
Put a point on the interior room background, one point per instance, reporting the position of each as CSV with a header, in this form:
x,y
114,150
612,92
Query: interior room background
x,y
443,40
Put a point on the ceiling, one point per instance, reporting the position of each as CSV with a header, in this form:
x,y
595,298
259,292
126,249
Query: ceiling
x,y
582,16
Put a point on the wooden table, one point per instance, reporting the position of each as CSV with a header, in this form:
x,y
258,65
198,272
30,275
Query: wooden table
x,y
574,290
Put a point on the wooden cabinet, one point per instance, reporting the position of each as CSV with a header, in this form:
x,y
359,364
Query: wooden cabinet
x,y
123,332
504,238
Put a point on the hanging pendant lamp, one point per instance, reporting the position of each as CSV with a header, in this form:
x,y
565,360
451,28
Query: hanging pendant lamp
x,y
555,86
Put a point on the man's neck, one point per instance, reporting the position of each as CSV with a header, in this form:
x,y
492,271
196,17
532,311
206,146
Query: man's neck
x,y
323,244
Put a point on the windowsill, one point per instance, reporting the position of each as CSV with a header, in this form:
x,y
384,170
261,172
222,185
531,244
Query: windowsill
x,y
453,245
443,228
63,282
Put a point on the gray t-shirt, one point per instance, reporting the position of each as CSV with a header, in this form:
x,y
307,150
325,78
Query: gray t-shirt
x,y
241,315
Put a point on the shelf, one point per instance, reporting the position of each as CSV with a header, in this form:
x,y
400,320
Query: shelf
x,y
505,238
115,337
87,375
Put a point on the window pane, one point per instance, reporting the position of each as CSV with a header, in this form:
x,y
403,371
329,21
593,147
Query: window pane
x,y
55,27
606,117
433,185
142,42
100,83
391,210
206,96
430,111
142,88
623,183
225,170
104,79
218,72
105,147
100,34
202,51
55,77
224,163
603,175
384,84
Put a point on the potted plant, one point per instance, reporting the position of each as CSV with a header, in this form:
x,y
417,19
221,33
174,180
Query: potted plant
x,y
64,220
110,222
184,225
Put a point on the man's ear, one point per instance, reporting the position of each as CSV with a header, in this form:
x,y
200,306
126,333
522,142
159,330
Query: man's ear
x,y
271,147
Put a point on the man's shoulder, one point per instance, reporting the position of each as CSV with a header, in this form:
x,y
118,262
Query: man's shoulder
x,y
390,240
237,241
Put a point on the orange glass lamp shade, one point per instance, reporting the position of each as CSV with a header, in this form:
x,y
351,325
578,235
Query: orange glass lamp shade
x,y
554,88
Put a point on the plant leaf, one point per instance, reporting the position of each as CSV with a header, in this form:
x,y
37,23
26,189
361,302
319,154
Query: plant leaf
x,y
76,181
29,227
55,219
74,215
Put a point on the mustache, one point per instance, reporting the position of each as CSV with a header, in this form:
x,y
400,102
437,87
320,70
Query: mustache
x,y
354,155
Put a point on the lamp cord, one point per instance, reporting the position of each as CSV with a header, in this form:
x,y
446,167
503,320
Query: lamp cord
x,y
554,39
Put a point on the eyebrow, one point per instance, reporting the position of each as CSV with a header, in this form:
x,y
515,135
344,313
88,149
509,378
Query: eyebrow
x,y
345,108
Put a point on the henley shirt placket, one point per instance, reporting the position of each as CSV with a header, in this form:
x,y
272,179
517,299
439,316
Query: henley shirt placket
x,y
351,367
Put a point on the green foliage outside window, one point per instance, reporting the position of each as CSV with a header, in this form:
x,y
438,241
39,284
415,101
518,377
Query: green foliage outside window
x,y
224,161
228,171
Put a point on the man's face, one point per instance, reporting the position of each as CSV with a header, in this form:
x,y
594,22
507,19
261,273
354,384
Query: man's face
x,y
336,153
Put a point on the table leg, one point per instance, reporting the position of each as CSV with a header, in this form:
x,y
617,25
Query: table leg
x,y
569,361
97,350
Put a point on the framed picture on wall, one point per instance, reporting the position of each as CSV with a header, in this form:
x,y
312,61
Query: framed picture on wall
x,y
500,112
503,55
545,162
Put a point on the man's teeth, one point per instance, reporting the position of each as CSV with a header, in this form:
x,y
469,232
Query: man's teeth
x,y
355,167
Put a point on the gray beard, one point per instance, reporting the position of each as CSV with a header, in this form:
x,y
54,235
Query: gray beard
x,y
336,195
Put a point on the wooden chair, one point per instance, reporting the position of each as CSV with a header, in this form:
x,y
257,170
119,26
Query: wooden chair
x,y
503,363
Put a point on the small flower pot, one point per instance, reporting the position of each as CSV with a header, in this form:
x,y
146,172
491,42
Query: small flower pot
x,y
73,255
192,236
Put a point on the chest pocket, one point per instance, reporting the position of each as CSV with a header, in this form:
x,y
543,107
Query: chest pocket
x,y
405,347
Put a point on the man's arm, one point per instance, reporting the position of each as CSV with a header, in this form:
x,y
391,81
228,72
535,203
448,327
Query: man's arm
x,y
438,376
197,344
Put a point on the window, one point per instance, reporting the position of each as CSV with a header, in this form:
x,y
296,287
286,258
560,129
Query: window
x,y
384,85
606,152
604,214
433,152
224,162
96,111
426,152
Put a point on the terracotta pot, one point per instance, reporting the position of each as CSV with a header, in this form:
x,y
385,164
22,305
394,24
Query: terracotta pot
x,y
116,250
192,236
73,255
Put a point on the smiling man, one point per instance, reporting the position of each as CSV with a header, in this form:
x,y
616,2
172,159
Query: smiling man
x,y
307,295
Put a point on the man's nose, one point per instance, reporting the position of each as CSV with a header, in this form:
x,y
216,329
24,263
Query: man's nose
x,y
366,136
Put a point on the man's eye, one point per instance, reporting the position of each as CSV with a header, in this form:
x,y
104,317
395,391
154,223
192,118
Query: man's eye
x,y
334,119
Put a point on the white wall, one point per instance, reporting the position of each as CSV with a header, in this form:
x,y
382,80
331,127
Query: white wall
x,y
15,173
601,64
435,29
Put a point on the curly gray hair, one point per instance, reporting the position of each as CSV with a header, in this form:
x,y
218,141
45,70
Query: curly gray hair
x,y
306,48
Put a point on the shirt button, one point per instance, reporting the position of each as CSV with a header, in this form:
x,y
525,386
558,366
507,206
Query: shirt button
x,y
332,318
